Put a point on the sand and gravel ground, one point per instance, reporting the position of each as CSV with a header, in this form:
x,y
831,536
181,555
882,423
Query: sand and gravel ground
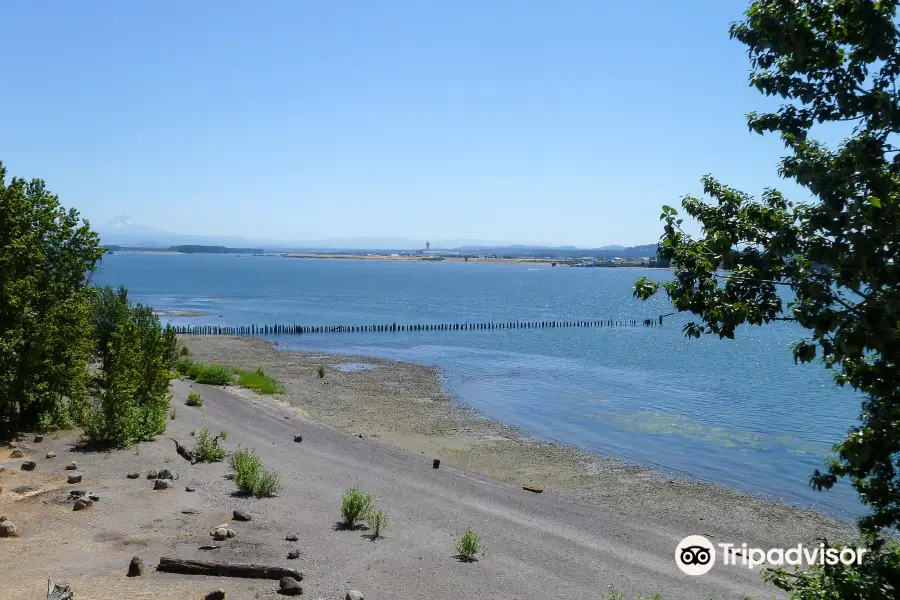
x,y
598,522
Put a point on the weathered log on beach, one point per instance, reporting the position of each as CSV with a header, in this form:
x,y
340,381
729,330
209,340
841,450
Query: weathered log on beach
x,y
183,451
214,569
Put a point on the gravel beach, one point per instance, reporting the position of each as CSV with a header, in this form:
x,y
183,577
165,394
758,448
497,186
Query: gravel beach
x,y
598,523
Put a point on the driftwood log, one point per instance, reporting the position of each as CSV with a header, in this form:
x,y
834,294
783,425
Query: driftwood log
x,y
213,569
58,592
183,451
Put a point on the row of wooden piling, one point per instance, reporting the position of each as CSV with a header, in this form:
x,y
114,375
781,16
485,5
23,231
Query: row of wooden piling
x,y
399,327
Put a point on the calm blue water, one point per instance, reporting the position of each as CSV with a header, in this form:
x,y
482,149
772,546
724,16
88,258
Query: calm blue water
x,y
738,412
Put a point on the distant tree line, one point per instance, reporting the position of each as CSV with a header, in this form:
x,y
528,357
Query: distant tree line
x,y
70,353
186,249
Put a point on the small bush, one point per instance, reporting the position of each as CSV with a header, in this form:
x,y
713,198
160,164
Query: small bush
x,y
184,351
207,449
251,477
212,374
321,372
258,382
468,546
172,415
355,506
194,399
377,520
260,372
184,365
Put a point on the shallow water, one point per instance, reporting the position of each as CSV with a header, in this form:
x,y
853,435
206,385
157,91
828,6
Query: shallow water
x,y
738,412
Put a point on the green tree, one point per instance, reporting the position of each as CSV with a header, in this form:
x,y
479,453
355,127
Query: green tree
x,y
110,310
47,255
139,357
832,62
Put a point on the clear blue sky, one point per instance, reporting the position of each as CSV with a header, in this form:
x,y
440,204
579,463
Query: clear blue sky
x,y
565,122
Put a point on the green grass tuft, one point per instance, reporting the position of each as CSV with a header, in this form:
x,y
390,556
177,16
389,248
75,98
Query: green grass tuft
x,y
213,374
321,372
258,381
355,506
468,546
207,449
377,520
194,399
251,477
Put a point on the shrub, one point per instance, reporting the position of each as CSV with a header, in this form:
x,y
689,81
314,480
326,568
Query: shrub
x,y
194,399
184,351
211,374
260,372
468,546
377,520
207,449
251,477
321,372
258,382
184,365
355,506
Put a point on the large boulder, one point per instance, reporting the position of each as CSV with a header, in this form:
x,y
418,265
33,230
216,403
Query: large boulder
x,y
28,465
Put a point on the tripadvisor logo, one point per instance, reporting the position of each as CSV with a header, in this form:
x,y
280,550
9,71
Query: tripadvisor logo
x,y
696,555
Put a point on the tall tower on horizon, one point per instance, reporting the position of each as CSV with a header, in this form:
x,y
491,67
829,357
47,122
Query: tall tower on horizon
x,y
427,245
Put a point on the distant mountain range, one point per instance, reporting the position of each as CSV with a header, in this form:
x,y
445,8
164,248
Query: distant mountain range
x,y
125,231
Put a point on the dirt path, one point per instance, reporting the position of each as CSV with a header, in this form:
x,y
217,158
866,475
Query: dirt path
x,y
552,545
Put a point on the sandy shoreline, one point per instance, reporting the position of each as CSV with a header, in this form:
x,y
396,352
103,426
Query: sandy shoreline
x,y
598,523
403,405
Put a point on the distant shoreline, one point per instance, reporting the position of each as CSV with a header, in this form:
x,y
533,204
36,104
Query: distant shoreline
x,y
521,260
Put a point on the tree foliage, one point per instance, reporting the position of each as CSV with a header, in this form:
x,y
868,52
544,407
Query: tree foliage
x,y
47,255
834,63
139,360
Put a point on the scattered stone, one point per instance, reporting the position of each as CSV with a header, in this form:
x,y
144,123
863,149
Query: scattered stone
x,y
28,465
38,439
293,554
216,595
291,537
8,528
94,497
189,489
436,464
167,474
75,478
189,511
533,489
222,532
240,516
288,586
17,453
2,519
298,438
354,595
152,473
51,454
361,436
77,493
72,466
135,567
133,475
160,484
82,503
